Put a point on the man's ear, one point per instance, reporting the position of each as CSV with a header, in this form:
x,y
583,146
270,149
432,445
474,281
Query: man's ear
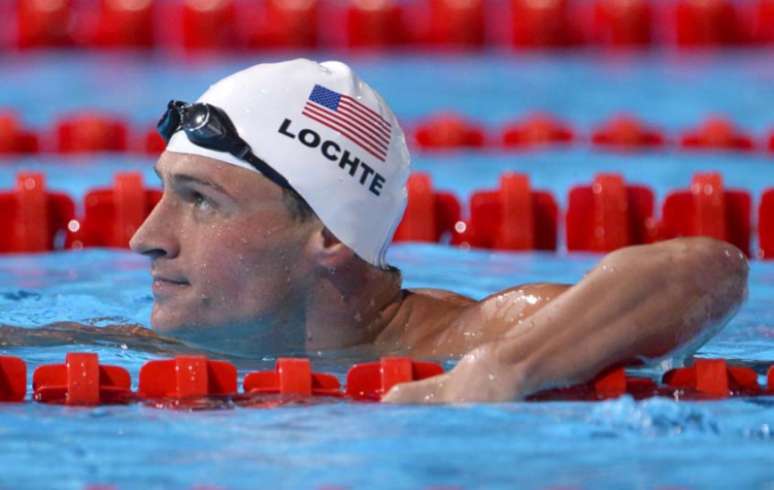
x,y
327,251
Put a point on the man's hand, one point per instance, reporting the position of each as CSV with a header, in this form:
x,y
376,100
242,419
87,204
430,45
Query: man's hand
x,y
478,377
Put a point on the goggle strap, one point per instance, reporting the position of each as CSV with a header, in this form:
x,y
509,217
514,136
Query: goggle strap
x,y
266,170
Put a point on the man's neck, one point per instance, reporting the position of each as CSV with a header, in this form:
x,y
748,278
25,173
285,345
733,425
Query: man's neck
x,y
351,307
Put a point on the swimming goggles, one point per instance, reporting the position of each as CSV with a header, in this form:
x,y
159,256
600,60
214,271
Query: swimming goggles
x,y
210,127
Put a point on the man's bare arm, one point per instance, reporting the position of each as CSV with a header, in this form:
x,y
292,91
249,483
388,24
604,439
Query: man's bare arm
x,y
639,302
134,337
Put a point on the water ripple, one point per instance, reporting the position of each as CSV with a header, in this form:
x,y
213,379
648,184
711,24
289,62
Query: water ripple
x,y
655,417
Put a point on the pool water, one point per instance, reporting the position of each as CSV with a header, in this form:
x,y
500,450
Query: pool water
x,y
655,443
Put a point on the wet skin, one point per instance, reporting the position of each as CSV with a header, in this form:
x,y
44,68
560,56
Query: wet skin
x,y
243,267
224,252
235,271
229,261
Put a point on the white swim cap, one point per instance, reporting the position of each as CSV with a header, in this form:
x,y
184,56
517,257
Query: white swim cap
x,y
330,135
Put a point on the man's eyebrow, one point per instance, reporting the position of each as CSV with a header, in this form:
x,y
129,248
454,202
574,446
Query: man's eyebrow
x,y
191,179
188,179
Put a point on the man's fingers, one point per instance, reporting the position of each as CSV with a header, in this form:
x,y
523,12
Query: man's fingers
x,y
425,391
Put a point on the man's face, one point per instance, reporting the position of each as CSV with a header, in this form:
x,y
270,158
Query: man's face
x,y
225,250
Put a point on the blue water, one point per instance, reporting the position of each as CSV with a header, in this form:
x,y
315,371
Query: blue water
x,y
616,444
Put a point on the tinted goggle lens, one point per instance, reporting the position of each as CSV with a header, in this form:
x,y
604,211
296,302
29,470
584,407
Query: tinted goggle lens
x,y
204,124
170,120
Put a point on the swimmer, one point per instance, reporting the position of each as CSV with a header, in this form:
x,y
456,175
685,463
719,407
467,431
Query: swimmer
x,y
283,185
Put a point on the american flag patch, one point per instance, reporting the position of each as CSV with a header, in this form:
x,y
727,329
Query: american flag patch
x,y
353,120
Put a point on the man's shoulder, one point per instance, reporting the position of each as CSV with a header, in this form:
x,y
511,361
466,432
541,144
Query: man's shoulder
x,y
530,293
443,300
506,309
444,323
439,297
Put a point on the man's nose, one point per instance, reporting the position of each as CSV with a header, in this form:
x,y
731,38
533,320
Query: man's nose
x,y
157,236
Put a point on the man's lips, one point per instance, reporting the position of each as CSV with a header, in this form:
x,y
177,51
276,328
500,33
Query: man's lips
x,y
168,284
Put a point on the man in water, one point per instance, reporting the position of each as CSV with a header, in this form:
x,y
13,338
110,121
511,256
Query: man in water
x,y
283,185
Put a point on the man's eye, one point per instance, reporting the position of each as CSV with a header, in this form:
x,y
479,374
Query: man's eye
x,y
200,201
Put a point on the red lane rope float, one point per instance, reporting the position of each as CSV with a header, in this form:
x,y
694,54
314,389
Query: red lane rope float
x,y
601,217
536,130
766,225
706,23
187,382
111,216
448,131
14,138
764,26
610,383
608,215
374,24
123,24
286,25
151,142
707,209
292,376
82,381
383,24
706,379
429,214
98,132
196,382
33,216
717,133
457,24
712,378
91,132
292,381
623,23
627,132
13,379
543,24
208,25
43,24
512,217
370,381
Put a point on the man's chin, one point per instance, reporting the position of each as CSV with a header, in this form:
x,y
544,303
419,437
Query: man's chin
x,y
178,323
170,322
